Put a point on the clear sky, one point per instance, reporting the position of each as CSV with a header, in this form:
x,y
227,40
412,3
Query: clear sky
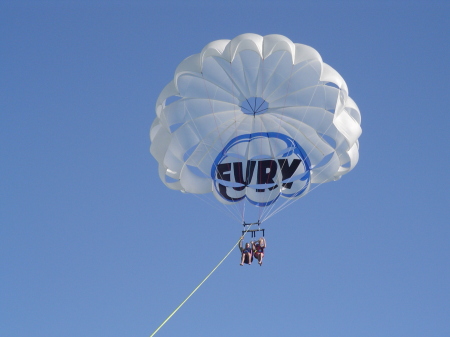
x,y
93,244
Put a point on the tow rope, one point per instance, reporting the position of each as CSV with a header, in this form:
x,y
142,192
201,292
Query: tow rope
x,y
196,288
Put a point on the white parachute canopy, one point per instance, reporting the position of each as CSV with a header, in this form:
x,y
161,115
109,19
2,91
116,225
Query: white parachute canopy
x,y
254,118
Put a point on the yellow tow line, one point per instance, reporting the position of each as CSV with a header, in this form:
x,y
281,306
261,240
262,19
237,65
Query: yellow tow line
x,y
196,288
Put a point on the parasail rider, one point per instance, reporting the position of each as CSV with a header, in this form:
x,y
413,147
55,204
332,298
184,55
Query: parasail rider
x,y
246,253
258,249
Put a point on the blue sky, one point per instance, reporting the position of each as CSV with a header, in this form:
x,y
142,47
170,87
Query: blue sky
x,y
93,244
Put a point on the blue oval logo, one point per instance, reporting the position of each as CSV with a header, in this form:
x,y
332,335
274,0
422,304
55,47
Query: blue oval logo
x,y
261,167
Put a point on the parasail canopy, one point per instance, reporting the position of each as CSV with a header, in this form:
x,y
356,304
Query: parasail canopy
x,y
254,118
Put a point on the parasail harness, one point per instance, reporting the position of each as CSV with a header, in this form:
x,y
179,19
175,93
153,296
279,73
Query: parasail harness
x,y
247,229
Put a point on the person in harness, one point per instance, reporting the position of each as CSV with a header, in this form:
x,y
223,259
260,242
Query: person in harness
x,y
246,252
258,249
